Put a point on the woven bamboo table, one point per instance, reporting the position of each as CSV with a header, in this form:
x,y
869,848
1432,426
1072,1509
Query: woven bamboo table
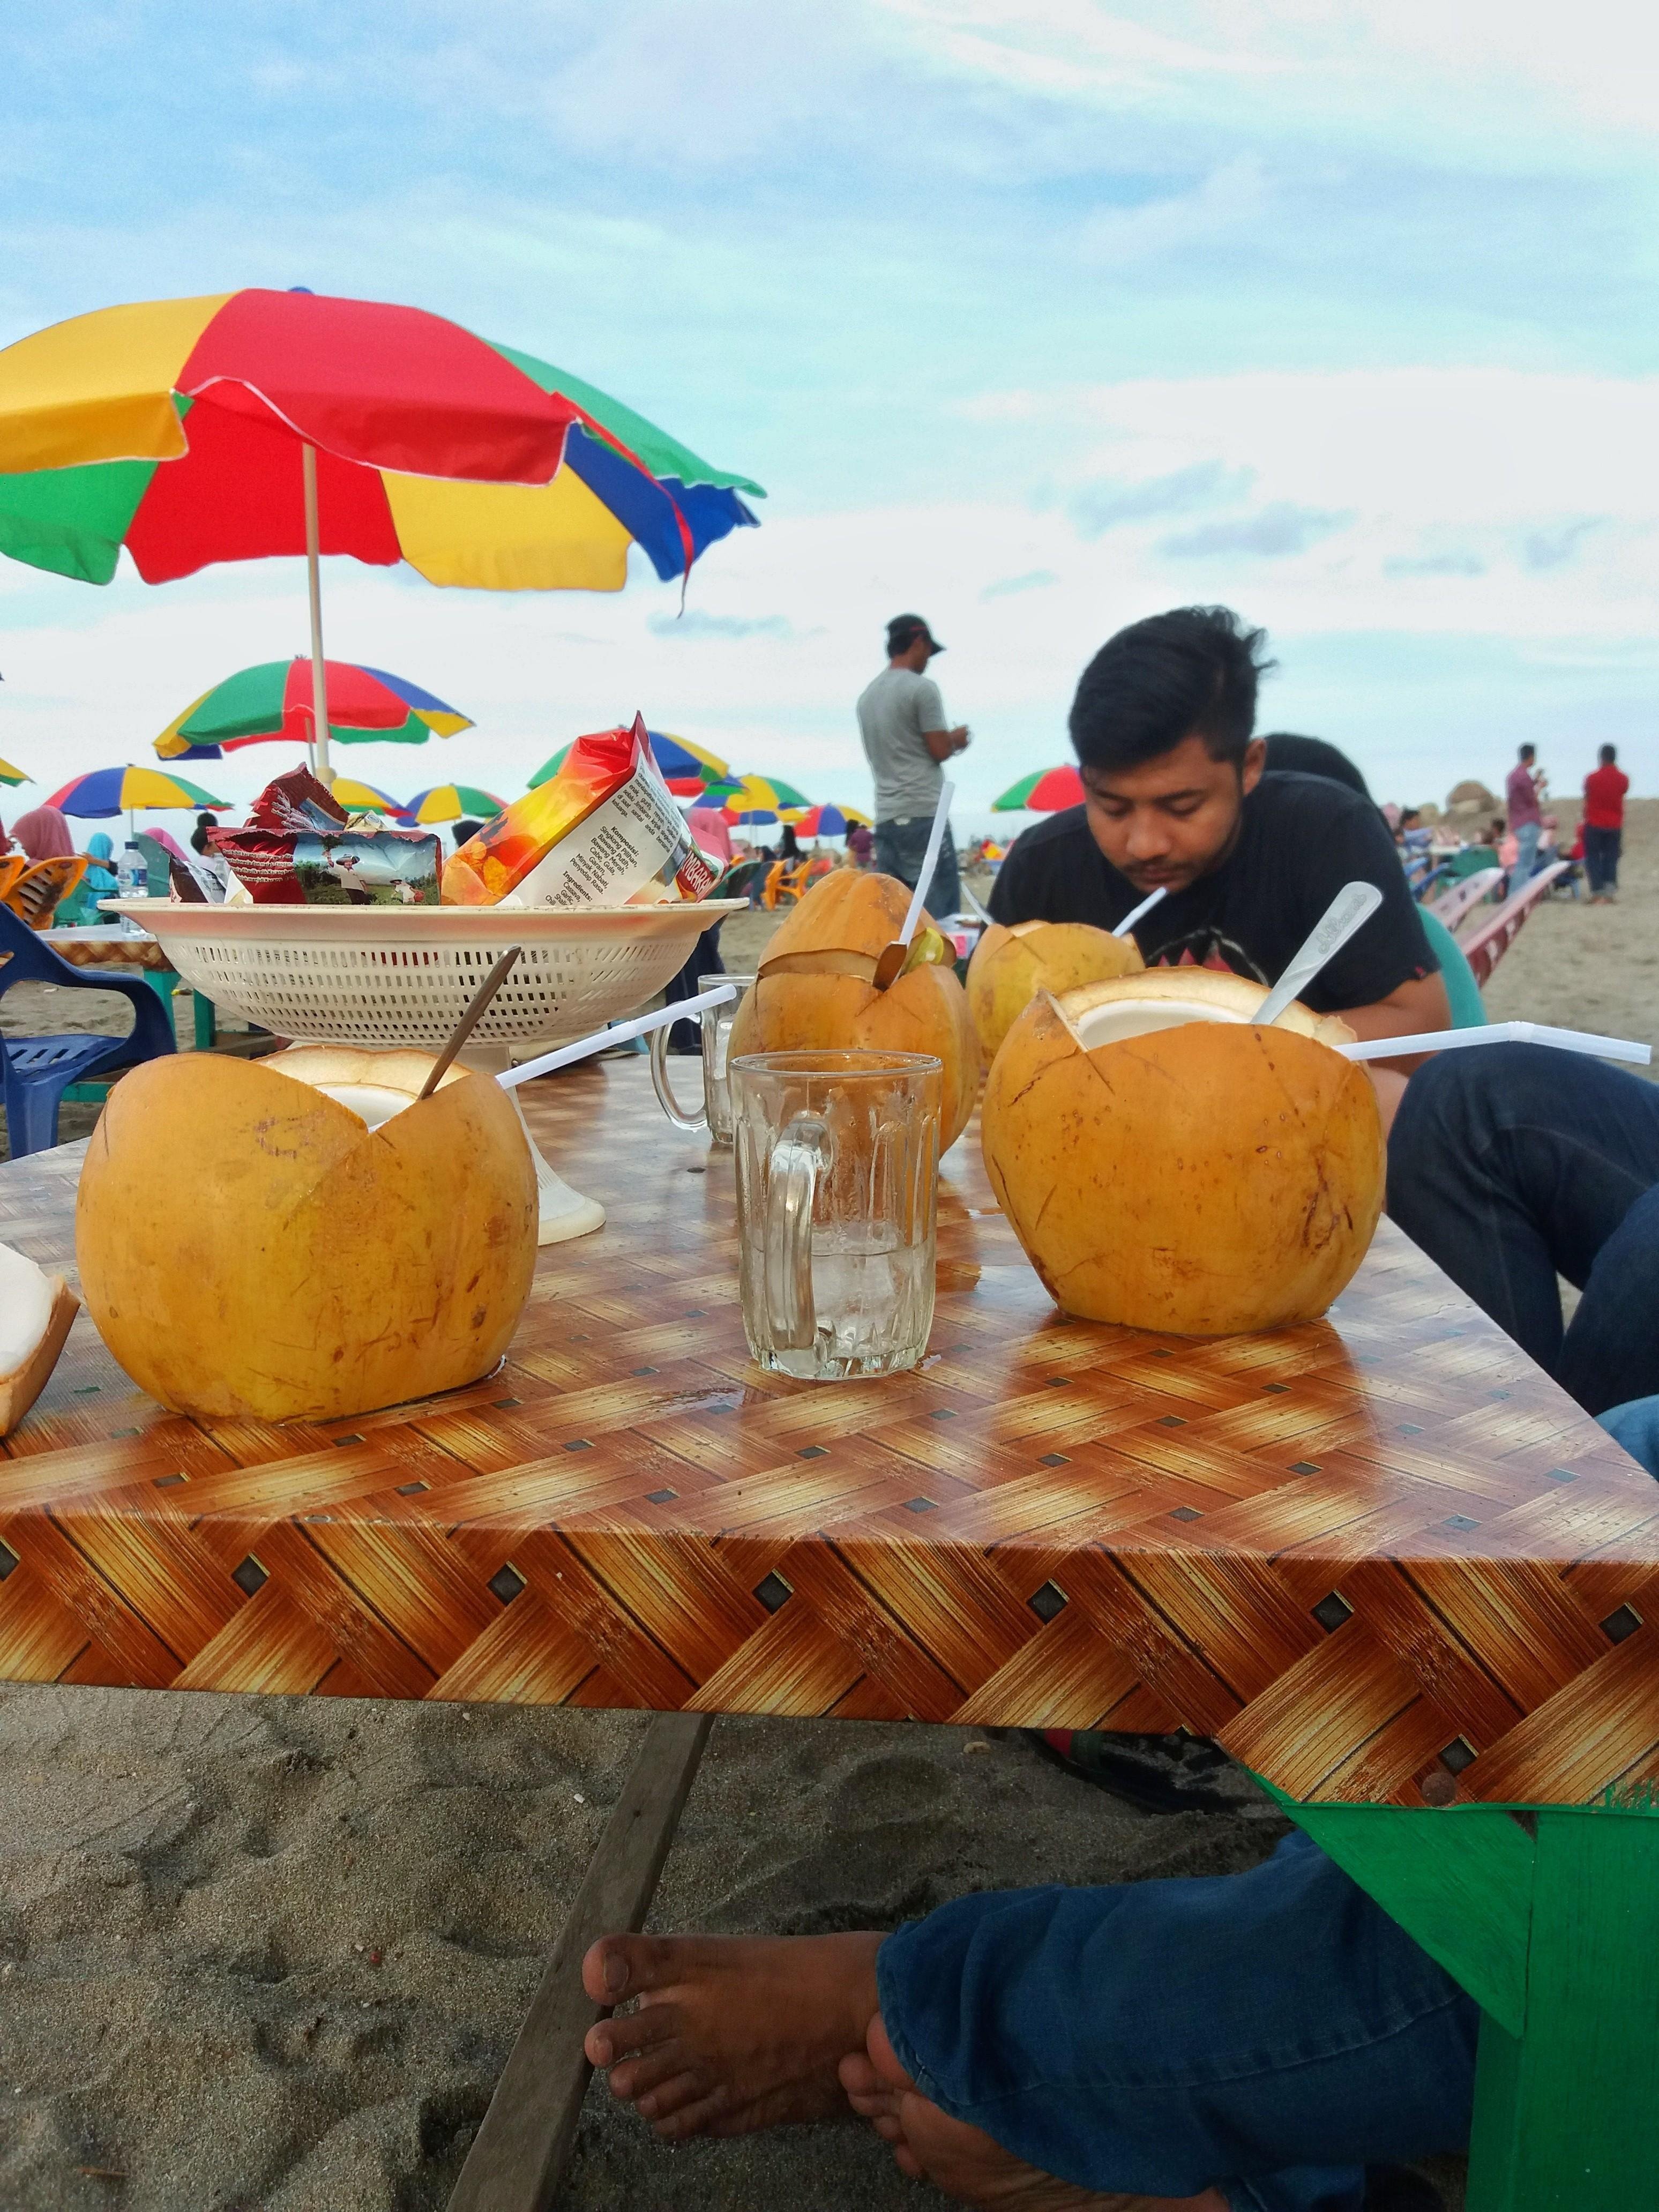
x,y
1381,1560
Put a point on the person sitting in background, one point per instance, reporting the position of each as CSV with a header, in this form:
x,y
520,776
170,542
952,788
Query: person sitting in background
x,y
1179,799
44,834
1520,796
789,846
1603,829
100,878
711,833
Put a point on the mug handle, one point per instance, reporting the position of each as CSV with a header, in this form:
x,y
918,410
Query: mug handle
x,y
791,1184
659,1084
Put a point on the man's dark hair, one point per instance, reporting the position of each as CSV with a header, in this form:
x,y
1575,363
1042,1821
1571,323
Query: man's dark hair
x,y
1190,672
464,832
1313,757
1610,754
1527,752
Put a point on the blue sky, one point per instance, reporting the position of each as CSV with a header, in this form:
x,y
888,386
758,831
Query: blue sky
x,y
1036,316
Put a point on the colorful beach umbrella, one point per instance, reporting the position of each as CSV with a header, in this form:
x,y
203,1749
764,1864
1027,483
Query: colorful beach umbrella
x,y
827,821
259,422
1048,792
363,798
10,775
759,794
106,791
687,769
273,702
451,802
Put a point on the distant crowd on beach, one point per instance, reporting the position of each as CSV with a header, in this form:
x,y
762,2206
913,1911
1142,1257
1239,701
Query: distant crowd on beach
x,y
1519,832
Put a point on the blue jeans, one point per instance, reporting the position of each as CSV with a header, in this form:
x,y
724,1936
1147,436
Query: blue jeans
x,y
1601,859
1514,1165
900,849
1269,2034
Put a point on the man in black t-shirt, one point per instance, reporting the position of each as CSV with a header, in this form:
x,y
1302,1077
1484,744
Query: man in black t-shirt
x,y
1177,799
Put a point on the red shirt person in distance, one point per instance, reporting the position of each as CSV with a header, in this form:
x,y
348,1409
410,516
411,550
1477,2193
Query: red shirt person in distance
x,y
1604,826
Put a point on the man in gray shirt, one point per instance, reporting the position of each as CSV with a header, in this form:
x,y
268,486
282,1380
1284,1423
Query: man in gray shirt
x,y
902,722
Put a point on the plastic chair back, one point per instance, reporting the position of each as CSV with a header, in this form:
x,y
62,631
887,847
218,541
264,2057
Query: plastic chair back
x,y
34,897
1469,1010
36,1071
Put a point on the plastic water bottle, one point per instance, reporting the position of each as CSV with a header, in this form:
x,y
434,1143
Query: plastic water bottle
x,y
132,876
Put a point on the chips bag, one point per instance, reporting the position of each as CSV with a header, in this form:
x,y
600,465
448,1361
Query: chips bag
x,y
602,831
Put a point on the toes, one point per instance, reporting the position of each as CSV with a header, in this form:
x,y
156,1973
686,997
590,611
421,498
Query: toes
x,y
691,2119
672,2095
619,1966
858,2076
608,2040
883,2060
634,2078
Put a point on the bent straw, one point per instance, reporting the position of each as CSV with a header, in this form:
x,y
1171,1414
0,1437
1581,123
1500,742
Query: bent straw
x,y
641,1026
1138,913
929,862
1600,1047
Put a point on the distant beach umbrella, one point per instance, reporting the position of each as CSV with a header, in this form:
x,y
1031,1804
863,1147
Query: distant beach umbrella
x,y
272,703
10,775
1048,792
363,798
106,791
827,821
451,802
686,768
764,794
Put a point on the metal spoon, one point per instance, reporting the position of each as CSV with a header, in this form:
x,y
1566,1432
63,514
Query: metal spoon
x,y
468,1021
1354,904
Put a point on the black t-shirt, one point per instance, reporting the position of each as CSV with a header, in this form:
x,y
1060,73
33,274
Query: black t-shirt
x,y
1301,839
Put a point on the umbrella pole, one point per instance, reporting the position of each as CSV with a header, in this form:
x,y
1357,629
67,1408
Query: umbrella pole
x,y
313,578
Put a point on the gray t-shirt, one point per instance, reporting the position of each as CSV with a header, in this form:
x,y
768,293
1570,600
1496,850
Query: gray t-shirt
x,y
893,712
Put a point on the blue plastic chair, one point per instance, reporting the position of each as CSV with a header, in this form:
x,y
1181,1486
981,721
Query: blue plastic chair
x,y
36,1071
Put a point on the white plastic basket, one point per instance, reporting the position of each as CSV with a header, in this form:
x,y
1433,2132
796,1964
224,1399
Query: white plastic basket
x,y
391,975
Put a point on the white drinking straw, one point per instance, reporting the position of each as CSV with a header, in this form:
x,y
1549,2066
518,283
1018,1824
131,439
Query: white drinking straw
x,y
929,862
1600,1047
721,995
1138,913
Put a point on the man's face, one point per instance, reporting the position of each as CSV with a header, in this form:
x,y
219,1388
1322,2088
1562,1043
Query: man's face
x,y
1172,820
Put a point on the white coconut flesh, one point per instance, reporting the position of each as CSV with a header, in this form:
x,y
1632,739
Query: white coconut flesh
x,y
369,1101
26,1303
1116,1023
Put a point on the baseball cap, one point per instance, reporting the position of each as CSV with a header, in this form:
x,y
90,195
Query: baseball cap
x,y
904,631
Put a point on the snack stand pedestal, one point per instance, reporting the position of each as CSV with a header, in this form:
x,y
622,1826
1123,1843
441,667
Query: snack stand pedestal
x,y
1382,1559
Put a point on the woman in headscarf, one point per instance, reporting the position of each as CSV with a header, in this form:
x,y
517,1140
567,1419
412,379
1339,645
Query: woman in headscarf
x,y
101,875
44,834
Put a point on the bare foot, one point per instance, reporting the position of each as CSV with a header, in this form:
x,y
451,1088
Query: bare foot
x,y
964,2162
733,2032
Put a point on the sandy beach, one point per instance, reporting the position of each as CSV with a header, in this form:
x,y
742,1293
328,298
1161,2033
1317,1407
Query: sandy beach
x,y
269,1955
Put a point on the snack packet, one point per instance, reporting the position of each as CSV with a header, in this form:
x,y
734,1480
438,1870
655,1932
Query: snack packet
x,y
299,849
602,831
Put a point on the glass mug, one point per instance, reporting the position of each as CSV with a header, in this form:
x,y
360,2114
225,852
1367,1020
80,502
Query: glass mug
x,y
716,1025
837,1161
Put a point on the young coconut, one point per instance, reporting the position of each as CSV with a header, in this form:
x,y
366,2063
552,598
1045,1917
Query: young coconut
x,y
1167,1165
295,1237
37,1311
1009,966
816,990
